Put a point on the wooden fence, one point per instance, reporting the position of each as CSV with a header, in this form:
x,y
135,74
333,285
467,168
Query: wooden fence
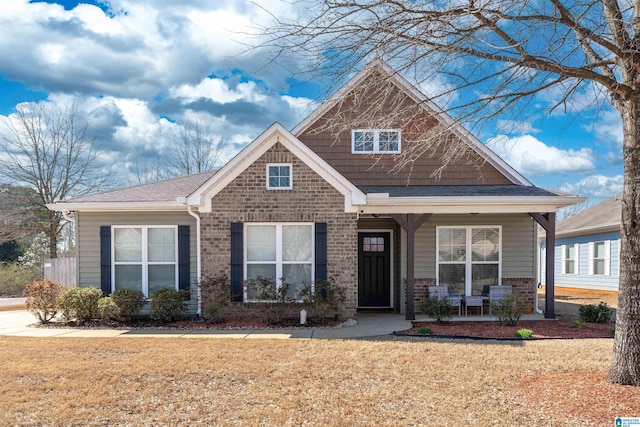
x,y
62,270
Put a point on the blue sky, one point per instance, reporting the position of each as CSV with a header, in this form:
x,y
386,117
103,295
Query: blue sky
x,y
138,69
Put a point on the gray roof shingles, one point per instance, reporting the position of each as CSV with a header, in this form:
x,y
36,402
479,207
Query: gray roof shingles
x,y
604,214
162,191
457,190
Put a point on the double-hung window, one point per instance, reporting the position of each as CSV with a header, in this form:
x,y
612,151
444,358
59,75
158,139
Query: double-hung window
x,y
570,258
364,141
144,258
599,258
468,258
282,253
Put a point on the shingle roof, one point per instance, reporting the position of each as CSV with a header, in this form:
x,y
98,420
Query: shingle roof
x,y
162,191
456,190
607,214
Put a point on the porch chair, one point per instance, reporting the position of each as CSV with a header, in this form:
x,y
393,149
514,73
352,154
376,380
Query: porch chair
x,y
497,293
442,292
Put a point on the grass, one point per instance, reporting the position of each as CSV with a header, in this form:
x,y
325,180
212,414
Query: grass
x,y
178,381
13,307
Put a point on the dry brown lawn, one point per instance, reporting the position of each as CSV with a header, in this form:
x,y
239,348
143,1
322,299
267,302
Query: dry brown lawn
x,y
13,307
391,381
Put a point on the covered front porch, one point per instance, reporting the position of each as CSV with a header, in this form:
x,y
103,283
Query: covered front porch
x,y
409,244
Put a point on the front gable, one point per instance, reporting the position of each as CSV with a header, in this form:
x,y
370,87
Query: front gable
x,y
378,98
275,136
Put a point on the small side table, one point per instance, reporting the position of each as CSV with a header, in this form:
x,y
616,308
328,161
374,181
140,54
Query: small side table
x,y
473,301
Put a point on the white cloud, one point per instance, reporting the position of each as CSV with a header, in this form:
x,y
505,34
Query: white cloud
x,y
595,186
516,127
218,91
530,156
608,129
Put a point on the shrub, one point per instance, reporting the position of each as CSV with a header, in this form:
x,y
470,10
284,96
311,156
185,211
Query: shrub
x,y
612,332
81,303
593,313
216,296
108,309
263,289
524,333
168,305
576,324
14,278
129,303
424,331
42,299
509,309
439,309
324,299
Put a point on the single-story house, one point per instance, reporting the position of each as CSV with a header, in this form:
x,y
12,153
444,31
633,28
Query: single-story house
x,y
587,248
370,206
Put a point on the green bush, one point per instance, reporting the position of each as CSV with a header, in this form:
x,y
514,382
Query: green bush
x,y
424,331
576,324
216,296
324,299
107,309
14,278
42,299
129,303
593,313
509,309
80,303
168,305
524,333
438,309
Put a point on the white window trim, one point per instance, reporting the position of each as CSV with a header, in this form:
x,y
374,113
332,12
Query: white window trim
x,y
607,258
278,262
376,141
468,261
144,263
576,259
290,166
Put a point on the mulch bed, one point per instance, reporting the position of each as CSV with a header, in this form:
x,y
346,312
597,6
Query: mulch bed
x,y
542,329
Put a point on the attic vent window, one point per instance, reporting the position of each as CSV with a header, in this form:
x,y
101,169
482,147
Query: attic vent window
x,y
365,141
279,176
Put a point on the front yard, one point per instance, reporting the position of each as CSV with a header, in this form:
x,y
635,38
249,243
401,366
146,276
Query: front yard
x,y
392,381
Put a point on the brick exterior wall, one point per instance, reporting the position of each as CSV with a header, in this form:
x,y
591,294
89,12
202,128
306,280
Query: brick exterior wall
x,y
312,199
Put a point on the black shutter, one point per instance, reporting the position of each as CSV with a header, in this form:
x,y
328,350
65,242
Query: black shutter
x,y
237,260
105,258
184,258
321,251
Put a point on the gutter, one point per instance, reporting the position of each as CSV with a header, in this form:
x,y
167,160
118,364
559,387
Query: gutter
x,y
198,260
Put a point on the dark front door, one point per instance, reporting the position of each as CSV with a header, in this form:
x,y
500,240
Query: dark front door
x,y
374,270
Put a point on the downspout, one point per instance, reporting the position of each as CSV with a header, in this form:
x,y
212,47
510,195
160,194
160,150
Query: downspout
x,y
198,262
538,267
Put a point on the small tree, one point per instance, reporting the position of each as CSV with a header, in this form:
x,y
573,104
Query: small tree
x,y
42,299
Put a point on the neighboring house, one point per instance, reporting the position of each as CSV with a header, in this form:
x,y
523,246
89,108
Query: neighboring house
x,y
587,246
305,205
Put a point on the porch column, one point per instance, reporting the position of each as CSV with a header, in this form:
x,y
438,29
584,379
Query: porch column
x,y
410,224
548,222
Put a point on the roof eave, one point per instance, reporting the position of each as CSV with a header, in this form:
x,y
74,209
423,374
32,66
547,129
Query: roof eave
x,y
466,204
116,206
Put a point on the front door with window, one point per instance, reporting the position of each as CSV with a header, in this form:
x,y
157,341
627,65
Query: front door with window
x,y
374,269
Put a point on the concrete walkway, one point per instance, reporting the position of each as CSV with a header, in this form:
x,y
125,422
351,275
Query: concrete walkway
x,y
17,324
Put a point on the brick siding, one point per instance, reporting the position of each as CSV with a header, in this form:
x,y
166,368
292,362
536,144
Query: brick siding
x,y
312,199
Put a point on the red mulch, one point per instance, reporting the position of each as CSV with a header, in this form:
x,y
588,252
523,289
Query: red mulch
x,y
540,328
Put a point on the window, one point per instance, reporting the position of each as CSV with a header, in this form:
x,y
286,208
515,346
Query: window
x,y
279,176
375,141
599,253
468,258
145,258
570,254
280,252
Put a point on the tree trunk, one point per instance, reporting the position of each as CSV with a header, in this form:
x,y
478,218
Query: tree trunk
x,y
625,365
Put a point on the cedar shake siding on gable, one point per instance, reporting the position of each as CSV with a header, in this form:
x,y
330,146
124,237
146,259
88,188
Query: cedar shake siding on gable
x,y
374,169
246,199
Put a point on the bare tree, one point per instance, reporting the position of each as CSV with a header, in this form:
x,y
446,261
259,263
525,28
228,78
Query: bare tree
x,y
47,148
196,150
498,54
20,213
